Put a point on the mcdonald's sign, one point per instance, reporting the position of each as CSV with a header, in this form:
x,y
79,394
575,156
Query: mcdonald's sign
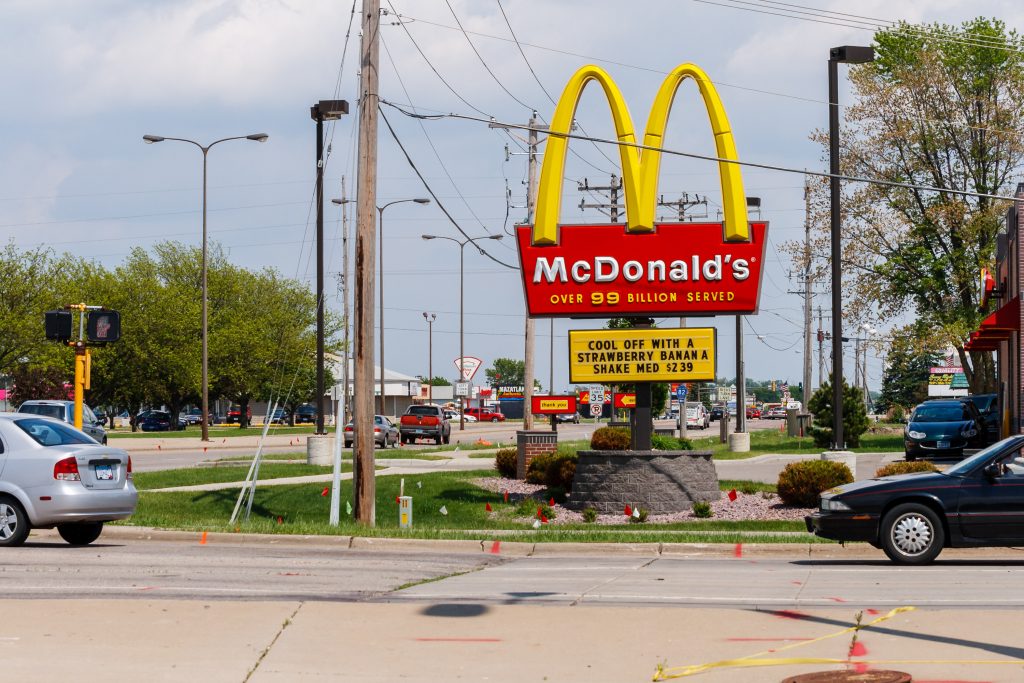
x,y
645,268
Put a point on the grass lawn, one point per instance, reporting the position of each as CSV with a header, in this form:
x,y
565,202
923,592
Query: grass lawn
x,y
303,510
398,454
193,476
216,432
774,441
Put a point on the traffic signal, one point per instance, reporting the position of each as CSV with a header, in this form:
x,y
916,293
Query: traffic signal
x,y
103,326
58,325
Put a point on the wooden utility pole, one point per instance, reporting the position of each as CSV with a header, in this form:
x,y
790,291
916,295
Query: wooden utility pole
x,y
366,201
807,295
531,200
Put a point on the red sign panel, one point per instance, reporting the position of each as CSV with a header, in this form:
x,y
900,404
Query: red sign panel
x,y
600,271
553,405
625,401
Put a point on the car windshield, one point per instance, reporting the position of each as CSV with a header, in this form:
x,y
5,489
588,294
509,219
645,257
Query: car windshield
x,y
940,412
966,465
422,410
48,410
47,433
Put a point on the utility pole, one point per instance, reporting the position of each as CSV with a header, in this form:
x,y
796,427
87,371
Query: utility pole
x,y
613,188
345,340
531,202
807,294
365,485
821,350
684,203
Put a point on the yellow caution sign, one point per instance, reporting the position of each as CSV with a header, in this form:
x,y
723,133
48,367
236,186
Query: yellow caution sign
x,y
642,355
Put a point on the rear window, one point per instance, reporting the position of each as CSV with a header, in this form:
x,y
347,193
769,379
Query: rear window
x,y
47,410
47,433
422,410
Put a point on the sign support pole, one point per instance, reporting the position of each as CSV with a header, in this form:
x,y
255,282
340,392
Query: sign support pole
x,y
642,423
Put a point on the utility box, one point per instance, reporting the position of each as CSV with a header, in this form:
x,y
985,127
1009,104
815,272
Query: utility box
x,y
405,512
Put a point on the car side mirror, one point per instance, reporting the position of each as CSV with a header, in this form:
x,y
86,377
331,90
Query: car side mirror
x,y
992,471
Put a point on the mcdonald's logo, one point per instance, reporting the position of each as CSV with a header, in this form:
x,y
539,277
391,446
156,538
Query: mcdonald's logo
x,y
648,268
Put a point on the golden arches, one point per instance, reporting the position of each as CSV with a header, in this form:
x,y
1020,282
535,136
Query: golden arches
x,y
640,167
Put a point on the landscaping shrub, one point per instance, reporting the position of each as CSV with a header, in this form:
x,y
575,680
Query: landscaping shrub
x,y
554,470
670,443
903,467
748,488
800,483
610,439
589,515
855,417
505,462
528,507
702,509
640,517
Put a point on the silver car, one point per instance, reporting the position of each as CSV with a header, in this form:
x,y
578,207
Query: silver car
x,y
65,410
53,475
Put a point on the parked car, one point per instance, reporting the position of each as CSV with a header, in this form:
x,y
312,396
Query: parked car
x,y
453,416
776,413
306,413
425,422
943,427
568,417
53,475
158,421
976,502
235,414
279,417
716,413
697,416
385,433
753,413
485,414
194,416
65,412
988,408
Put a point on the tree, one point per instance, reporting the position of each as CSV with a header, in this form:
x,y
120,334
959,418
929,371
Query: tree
x,y
437,382
940,106
855,418
905,381
506,372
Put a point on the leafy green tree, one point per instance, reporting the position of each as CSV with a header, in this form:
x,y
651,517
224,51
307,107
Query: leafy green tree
x,y
506,372
855,418
905,381
935,109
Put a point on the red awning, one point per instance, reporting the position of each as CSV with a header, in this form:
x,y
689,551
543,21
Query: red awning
x,y
997,327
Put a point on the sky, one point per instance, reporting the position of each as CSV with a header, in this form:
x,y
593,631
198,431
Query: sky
x,y
84,81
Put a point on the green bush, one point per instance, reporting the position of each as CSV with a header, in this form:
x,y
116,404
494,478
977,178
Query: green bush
x,y
855,416
505,462
589,515
903,467
610,439
640,517
800,483
528,507
670,443
748,488
702,509
554,470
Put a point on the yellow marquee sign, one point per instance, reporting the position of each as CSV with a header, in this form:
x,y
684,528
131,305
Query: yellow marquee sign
x,y
685,354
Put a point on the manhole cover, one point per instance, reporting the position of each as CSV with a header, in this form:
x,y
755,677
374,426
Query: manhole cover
x,y
851,677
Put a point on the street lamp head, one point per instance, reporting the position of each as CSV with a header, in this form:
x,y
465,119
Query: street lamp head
x,y
150,139
421,200
852,54
495,237
339,202
258,137
429,237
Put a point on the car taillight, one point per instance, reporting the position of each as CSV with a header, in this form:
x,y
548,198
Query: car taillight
x,y
348,428
130,475
377,429
66,470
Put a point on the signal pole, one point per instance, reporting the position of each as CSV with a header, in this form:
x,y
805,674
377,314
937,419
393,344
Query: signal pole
x,y
366,198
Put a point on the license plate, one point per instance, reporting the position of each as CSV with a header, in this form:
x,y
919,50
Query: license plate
x,y
942,444
104,472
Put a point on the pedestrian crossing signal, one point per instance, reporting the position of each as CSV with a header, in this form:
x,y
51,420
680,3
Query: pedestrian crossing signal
x,y
103,326
58,325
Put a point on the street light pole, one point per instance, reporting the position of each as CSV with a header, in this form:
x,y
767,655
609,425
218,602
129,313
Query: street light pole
x,y
380,213
848,54
430,318
204,425
462,289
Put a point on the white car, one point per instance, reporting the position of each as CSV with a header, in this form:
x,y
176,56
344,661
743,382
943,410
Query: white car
x,y
697,416
454,416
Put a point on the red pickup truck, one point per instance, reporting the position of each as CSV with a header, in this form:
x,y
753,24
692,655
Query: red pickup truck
x,y
425,422
485,415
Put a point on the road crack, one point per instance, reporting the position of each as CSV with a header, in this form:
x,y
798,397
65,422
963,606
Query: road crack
x,y
287,622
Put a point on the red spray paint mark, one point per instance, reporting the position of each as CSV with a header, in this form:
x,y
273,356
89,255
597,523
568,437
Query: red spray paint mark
x,y
789,614
835,599
738,550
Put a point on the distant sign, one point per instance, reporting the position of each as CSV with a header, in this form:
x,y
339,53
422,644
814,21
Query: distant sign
x,y
947,381
553,405
642,355
625,401
462,389
468,366
597,394
681,392
596,409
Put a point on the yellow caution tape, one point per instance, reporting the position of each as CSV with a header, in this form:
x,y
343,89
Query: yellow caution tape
x,y
755,660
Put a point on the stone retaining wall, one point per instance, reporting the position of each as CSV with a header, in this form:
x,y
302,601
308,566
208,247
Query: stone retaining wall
x,y
662,482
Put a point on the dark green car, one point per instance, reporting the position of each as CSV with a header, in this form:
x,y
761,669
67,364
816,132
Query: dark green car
x,y
943,427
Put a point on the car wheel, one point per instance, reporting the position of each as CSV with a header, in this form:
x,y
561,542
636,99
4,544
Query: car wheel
x,y
448,438
912,534
14,526
82,533
438,440
494,419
